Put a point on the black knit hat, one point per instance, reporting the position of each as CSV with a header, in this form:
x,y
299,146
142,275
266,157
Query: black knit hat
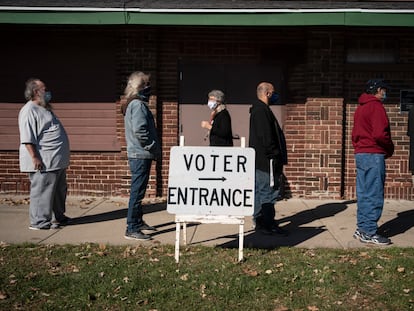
x,y
374,84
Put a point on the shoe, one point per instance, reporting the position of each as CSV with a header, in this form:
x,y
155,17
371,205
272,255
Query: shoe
x,y
146,226
263,230
55,226
357,234
47,227
137,236
65,221
277,230
374,238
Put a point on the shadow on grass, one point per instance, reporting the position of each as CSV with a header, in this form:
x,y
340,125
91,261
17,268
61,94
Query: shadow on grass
x,y
297,234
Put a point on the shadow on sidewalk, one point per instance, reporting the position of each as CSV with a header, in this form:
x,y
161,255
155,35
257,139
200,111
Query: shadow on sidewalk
x,y
116,214
297,234
403,222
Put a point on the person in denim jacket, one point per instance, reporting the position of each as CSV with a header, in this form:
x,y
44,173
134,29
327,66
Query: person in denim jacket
x,y
142,148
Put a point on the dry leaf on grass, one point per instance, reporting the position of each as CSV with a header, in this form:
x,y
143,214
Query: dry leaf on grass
x,y
3,295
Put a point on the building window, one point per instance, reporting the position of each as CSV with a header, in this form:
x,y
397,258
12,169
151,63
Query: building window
x,y
369,51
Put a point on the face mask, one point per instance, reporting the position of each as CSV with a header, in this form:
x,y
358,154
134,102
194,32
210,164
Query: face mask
x,y
384,97
47,97
212,104
274,98
145,93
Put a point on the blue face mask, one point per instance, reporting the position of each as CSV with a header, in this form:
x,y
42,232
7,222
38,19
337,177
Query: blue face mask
x,y
384,97
274,98
145,93
47,97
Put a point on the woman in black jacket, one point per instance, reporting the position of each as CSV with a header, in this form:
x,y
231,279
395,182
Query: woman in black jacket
x,y
219,125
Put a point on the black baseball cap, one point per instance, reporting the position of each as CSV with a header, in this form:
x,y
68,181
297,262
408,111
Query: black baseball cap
x,y
374,84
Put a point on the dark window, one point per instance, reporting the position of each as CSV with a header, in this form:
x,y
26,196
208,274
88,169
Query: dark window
x,y
369,50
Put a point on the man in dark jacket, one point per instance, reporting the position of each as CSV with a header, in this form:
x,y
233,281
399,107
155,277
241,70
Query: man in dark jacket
x,y
371,138
266,138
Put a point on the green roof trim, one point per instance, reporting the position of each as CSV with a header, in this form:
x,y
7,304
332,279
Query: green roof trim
x,y
210,19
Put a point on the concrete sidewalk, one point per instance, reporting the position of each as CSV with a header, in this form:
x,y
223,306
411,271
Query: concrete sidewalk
x,y
311,223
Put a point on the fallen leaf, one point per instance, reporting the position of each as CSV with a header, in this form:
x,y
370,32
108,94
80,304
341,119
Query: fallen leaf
x,y
250,272
184,277
3,296
401,269
30,276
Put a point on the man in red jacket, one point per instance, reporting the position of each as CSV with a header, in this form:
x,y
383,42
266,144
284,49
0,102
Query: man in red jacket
x,y
371,138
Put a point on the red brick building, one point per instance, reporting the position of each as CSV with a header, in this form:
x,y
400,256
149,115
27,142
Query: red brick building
x,y
319,54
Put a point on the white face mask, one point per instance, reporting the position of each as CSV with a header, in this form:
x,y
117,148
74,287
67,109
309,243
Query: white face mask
x,y
212,104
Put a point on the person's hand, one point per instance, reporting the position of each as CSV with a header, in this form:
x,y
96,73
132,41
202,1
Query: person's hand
x,y
205,124
38,165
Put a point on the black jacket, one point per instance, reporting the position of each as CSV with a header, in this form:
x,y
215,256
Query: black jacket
x,y
266,137
221,133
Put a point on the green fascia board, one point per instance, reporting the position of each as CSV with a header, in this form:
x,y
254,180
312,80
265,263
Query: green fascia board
x,y
63,18
379,19
209,19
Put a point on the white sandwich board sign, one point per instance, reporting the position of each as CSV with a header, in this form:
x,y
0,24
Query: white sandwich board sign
x,y
210,185
211,181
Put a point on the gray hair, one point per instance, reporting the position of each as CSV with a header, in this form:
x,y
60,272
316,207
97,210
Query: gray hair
x,y
218,95
136,82
31,86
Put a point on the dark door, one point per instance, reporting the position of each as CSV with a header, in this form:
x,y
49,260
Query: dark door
x,y
238,82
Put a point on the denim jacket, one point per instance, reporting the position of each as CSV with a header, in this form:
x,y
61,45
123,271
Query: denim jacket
x,y
140,132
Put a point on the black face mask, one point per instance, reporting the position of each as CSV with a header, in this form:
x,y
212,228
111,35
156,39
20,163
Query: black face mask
x,y
145,93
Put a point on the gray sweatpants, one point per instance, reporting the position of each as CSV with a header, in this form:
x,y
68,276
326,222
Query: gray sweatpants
x,y
47,197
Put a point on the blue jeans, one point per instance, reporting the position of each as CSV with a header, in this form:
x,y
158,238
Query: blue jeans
x,y
140,170
370,190
264,193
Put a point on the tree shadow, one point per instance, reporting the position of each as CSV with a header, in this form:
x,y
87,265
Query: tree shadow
x,y
400,224
297,234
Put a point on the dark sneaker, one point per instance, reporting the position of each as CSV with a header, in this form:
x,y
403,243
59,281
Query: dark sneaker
x,y
137,236
277,230
65,221
55,226
374,239
47,227
264,231
146,226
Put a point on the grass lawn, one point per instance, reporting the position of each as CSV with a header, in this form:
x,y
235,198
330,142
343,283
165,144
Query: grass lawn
x,y
102,277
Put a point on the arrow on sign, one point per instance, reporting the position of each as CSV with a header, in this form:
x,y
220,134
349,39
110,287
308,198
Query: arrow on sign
x,y
212,178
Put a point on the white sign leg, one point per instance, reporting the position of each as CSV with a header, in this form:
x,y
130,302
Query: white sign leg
x,y
241,240
177,241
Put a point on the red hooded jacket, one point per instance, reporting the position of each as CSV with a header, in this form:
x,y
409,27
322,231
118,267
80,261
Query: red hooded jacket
x,y
371,132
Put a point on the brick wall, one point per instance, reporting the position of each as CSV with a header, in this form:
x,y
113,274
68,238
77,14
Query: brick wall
x,y
398,183
314,140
